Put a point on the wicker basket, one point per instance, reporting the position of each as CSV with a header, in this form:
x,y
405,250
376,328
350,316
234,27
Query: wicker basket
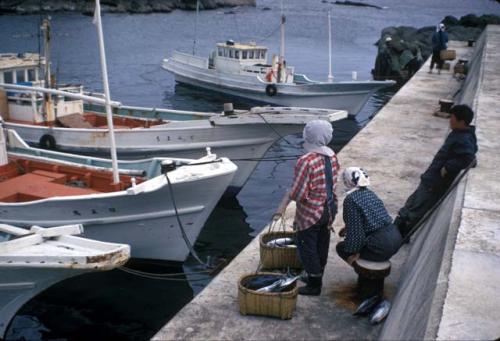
x,y
274,304
278,257
448,54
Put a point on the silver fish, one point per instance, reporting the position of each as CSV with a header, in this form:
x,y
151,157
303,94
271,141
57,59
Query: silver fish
x,y
367,306
282,242
279,285
380,312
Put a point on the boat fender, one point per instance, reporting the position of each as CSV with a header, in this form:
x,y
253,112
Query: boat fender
x,y
47,142
271,90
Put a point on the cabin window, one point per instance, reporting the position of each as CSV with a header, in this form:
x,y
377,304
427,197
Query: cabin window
x,y
262,54
244,54
219,52
250,54
237,54
7,77
231,54
226,53
31,75
20,76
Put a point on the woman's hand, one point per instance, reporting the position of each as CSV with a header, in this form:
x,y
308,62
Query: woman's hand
x,y
352,258
342,232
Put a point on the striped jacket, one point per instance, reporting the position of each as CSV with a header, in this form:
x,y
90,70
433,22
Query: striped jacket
x,y
309,189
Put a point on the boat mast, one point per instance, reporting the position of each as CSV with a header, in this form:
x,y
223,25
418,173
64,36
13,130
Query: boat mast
x,y
47,99
104,71
330,76
4,160
282,43
196,25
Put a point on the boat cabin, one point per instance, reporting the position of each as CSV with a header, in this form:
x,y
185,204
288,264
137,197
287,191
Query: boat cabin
x,y
248,59
23,106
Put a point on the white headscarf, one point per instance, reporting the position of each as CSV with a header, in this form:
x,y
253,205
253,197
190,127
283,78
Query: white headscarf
x,y
317,134
355,177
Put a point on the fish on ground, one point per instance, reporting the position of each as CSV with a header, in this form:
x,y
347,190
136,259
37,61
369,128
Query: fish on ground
x,y
380,312
367,306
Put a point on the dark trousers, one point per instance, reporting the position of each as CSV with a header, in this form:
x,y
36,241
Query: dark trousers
x,y
313,244
436,59
380,246
417,205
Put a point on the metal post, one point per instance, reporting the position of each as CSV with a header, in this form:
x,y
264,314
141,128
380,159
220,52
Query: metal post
x,y
104,70
330,76
282,44
47,100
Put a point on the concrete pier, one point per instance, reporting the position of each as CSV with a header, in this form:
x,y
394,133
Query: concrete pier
x,y
434,285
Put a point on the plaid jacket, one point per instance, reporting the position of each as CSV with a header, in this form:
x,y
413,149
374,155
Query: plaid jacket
x,y
309,189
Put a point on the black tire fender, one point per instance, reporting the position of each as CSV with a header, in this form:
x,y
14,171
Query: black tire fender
x,y
271,90
47,142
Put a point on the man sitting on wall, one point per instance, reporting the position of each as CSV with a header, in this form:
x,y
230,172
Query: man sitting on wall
x,y
456,154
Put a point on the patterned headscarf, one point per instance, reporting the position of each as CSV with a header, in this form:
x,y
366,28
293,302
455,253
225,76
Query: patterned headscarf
x,y
317,134
355,177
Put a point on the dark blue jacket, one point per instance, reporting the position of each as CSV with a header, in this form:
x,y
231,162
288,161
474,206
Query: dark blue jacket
x,y
439,41
458,151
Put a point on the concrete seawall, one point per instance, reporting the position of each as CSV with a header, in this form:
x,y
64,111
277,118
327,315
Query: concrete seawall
x,y
395,148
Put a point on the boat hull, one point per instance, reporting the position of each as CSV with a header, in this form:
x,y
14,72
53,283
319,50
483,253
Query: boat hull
x,y
19,284
244,144
351,102
350,95
146,221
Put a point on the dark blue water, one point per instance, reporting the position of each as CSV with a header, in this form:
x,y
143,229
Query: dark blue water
x,y
117,305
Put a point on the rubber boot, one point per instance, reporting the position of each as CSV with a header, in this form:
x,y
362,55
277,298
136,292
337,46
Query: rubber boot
x,y
313,287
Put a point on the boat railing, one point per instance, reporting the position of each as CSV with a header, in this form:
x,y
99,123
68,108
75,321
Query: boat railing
x,y
190,59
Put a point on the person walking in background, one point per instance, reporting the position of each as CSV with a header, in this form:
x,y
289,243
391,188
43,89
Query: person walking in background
x,y
439,43
369,232
457,153
313,190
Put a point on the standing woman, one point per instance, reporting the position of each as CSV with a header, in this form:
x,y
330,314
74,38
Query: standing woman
x,y
439,43
314,192
369,231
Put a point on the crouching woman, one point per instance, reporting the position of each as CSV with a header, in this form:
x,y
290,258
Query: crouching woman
x,y
369,232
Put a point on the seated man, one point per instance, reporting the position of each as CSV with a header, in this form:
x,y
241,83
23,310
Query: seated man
x,y
369,231
457,153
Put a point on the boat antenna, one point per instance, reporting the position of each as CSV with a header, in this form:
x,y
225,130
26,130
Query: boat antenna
x,y
104,70
330,76
196,25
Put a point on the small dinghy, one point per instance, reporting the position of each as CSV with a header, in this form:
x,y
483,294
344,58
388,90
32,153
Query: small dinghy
x,y
35,259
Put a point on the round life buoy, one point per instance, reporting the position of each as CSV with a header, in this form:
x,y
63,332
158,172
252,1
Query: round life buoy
x,y
47,142
271,90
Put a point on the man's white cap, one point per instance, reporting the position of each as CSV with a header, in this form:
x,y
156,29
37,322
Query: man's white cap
x,y
441,26
388,39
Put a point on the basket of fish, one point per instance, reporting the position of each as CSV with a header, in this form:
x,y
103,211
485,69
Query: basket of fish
x,y
268,294
278,250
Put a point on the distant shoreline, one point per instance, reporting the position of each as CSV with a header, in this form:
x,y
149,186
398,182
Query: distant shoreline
x,y
25,7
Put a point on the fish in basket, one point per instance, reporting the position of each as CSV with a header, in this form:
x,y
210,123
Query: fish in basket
x,y
268,294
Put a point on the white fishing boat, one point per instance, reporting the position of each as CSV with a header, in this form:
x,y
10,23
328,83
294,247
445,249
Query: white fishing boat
x,y
243,136
158,212
35,259
243,70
